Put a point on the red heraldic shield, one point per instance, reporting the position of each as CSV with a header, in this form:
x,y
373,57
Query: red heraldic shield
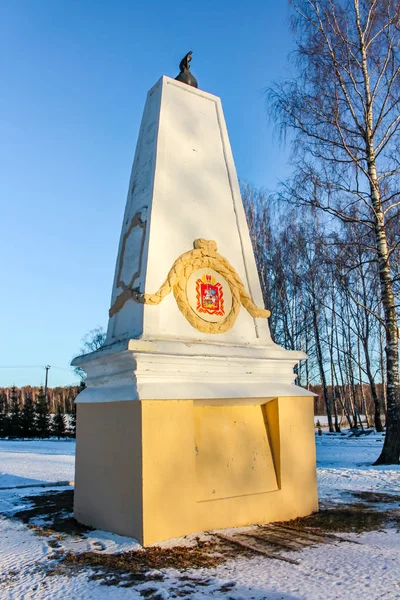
x,y
210,296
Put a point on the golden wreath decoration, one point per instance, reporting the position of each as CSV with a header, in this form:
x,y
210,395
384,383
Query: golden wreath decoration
x,y
204,255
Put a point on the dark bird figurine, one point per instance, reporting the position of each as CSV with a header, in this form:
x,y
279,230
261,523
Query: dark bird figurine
x,y
185,76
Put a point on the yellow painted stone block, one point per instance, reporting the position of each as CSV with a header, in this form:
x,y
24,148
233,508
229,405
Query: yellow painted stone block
x,y
161,469
233,455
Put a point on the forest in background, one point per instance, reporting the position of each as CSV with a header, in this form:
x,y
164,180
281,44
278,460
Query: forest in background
x,y
30,412
61,400
321,283
58,397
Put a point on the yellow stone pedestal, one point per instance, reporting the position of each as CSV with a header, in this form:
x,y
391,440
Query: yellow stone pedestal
x,y
156,470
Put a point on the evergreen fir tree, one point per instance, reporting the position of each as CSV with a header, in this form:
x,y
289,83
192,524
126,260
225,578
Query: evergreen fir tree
x,y
4,419
42,417
72,416
59,423
28,419
72,421
15,414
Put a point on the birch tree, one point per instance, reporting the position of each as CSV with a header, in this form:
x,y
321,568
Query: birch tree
x,y
342,111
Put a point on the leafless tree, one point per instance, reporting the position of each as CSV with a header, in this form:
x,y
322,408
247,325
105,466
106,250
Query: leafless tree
x,y
343,112
92,341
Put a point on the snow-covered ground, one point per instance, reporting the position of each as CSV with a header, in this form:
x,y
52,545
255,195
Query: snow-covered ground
x,y
344,464
38,461
369,569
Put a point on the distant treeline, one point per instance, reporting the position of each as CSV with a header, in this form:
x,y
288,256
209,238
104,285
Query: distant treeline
x,y
322,283
57,397
348,401
29,413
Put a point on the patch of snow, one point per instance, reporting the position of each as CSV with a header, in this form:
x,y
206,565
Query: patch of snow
x,y
344,464
103,542
323,420
346,571
38,461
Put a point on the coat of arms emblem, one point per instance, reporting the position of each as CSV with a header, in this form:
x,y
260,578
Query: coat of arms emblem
x,y
207,289
210,296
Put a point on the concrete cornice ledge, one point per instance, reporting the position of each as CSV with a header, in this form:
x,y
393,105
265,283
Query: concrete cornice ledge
x,y
169,369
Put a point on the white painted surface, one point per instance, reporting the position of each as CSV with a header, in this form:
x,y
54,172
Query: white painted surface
x,y
184,183
165,369
184,186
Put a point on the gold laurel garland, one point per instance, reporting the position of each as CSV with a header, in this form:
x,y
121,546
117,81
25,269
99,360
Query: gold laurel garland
x,y
204,255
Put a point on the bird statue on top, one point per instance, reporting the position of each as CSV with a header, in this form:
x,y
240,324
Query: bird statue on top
x,y
185,76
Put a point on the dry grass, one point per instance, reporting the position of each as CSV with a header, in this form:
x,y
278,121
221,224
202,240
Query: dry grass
x,y
357,517
354,519
377,497
204,555
55,510
145,566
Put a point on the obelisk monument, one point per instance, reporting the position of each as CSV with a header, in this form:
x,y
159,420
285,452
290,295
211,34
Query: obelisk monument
x,y
190,419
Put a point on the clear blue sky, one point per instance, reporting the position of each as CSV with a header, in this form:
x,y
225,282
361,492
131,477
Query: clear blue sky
x,y
74,77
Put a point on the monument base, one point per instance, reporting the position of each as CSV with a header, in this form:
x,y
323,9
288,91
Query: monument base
x,y
160,469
